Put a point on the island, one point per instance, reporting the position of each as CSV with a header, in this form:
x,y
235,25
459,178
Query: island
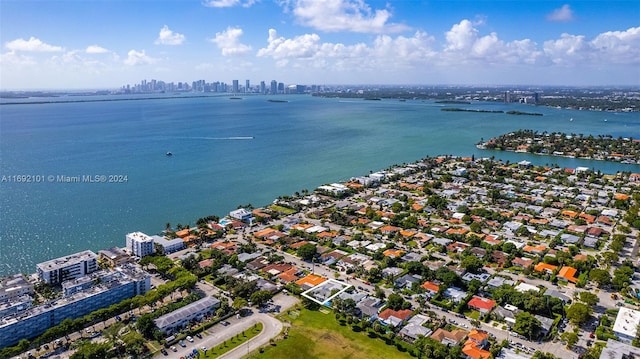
x,y
601,147
456,109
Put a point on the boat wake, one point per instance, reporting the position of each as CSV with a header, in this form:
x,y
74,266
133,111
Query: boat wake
x,y
231,138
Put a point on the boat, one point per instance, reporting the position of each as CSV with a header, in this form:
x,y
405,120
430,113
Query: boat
x,y
235,98
169,154
272,100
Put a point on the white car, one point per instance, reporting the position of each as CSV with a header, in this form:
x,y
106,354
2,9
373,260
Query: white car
x,y
190,339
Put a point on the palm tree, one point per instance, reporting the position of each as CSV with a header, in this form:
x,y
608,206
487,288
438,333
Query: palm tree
x,y
112,334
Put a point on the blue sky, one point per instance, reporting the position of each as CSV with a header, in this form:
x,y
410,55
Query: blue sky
x,y
110,43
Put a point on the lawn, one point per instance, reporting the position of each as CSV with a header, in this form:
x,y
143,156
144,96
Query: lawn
x,y
317,335
473,314
286,211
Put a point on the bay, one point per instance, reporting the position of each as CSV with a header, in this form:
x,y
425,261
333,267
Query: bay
x,y
225,153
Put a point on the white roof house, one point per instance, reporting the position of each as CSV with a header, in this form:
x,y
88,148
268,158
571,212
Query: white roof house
x,y
626,325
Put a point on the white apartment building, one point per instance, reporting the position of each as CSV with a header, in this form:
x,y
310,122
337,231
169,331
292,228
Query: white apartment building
x,y
139,244
169,245
626,324
69,267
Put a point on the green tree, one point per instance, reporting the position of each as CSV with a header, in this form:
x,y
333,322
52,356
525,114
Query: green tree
x,y
307,251
396,302
239,302
600,276
527,325
471,263
261,297
146,326
588,298
570,337
579,313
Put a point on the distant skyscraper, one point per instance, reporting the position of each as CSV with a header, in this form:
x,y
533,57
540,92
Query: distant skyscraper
x,y
274,87
263,87
280,87
235,86
247,86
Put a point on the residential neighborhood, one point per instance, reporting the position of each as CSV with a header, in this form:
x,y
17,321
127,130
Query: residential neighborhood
x,y
456,257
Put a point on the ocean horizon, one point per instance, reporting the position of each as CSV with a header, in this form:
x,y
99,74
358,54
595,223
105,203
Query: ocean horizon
x,y
225,153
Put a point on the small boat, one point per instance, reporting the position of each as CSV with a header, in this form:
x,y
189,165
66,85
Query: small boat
x,y
571,119
169,154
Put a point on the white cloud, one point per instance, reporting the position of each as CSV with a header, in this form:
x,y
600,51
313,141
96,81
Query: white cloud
x,y
135,58
563,14
33,44
229,3
304,46
95,49
12,59
461,36
168,37
386,52
618,46
229,42
344,15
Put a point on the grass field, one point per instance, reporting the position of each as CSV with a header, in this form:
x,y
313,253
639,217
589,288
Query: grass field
x,y
314,335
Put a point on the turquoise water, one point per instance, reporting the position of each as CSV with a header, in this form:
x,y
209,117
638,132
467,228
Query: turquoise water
x,y
225,153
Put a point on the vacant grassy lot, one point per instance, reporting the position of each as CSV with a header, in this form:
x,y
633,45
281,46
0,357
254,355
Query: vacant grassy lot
x,y
317,335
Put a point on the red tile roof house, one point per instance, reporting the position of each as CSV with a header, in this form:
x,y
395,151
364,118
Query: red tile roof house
x,y
430,287
394,317
483,305
568,274
472,351
473,347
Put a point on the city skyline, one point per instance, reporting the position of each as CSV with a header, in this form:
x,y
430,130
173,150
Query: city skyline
x,y
103,45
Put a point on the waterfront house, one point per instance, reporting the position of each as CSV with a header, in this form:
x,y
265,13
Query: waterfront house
x,y
414,328
394,317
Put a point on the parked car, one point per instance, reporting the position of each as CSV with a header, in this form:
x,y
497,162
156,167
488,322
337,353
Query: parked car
x,y
163,351
199,335
182,344
173,348
190,338
225,323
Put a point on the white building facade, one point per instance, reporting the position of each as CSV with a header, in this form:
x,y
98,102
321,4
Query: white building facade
x,y
70,267
139,244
